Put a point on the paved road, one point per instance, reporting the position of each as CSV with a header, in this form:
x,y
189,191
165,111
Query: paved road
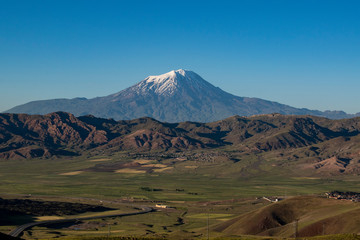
x,y
16,232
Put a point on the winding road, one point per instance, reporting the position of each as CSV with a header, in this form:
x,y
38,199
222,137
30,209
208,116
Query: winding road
x,y
16,232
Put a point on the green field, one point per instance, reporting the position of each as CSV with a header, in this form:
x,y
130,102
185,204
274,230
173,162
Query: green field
x,y
211,181
198,193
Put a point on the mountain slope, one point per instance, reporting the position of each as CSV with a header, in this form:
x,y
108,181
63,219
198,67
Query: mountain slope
x,y
315,216
175,96
307,144
317,145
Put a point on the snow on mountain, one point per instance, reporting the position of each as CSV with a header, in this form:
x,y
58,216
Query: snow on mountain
x,y
179,95
167,84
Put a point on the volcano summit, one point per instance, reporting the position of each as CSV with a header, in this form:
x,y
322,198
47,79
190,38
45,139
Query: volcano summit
x,y
175,96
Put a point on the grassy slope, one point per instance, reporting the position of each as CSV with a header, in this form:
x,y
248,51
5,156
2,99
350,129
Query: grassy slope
x,y
316,216
198,182
251,176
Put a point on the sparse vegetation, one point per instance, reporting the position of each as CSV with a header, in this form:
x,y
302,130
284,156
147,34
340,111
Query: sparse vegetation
x,y
151,189
221,184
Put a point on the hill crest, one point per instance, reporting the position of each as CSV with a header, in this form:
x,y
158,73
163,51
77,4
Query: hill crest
x,y
312,140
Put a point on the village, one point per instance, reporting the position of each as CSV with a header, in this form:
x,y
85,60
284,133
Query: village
x,y
351,196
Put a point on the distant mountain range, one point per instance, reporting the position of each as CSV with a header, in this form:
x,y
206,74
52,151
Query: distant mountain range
x,y
322,144
175,96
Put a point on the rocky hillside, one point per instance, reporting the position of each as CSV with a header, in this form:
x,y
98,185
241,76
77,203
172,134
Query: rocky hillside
x,y
63,134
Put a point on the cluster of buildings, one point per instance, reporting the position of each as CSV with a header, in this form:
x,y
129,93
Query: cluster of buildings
x,y
351,196
272,199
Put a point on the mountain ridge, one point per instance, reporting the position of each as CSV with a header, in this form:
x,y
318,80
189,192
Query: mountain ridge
x,y
176,96
323,145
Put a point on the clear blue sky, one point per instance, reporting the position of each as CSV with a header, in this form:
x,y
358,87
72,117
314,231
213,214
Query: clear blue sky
x,y
300,53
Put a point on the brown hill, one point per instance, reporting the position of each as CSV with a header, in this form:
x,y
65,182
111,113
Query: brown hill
x,y
60,133
316,216
25,136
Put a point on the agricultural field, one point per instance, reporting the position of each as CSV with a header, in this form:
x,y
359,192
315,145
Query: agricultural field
x,y
207,194
166,178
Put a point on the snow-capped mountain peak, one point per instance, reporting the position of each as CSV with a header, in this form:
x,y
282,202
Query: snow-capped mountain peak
x,y
169,77
166,84
179,95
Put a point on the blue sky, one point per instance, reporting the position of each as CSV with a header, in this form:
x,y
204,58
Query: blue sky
x,y
300,53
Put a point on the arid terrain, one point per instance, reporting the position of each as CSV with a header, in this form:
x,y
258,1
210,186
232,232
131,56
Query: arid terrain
x,y
219,179
328,145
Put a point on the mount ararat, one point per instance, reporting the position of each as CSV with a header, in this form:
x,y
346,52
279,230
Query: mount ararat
x,y
175,96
